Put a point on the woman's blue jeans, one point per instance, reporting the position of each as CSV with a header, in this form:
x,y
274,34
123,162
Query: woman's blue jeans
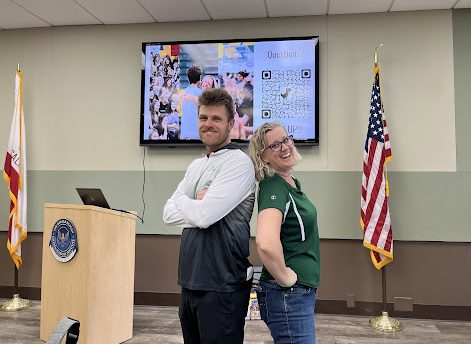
x,y
288,312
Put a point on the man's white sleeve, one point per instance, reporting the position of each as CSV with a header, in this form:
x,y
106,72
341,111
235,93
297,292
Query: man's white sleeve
x,y
234,182
172,216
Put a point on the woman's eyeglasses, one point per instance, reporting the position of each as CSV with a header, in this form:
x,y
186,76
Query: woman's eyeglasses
x,y
276,146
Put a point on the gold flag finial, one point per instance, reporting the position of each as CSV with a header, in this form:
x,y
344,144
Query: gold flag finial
x,y
18,67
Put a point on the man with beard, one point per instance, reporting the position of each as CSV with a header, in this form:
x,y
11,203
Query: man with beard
x,y
213,204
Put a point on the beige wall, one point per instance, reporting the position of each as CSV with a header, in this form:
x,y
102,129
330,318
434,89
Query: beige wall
x,y
82,89
417,88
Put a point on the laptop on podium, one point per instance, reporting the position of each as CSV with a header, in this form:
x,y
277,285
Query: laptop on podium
x,y
92,196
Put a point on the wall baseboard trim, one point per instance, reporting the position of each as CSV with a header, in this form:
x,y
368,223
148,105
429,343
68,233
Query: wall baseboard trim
x,y
156,299
30,293
374,309
439,312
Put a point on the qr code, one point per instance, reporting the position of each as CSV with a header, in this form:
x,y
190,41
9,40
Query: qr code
x,y
286,93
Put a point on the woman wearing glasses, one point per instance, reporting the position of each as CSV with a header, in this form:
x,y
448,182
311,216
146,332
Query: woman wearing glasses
x,y
287,239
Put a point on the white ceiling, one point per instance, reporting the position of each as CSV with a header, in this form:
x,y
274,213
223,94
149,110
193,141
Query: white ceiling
x,y
15,14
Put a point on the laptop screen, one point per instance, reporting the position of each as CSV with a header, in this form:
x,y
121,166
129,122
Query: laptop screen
x,y
92,196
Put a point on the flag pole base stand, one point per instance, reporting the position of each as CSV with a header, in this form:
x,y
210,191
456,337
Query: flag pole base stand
x,y
15,304
385,324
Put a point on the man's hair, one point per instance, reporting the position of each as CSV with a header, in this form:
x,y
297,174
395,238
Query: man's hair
x,y
257,146
243,73
217,96
194,74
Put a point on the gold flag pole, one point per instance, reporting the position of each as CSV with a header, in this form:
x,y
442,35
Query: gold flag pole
x,y
16,303
384,323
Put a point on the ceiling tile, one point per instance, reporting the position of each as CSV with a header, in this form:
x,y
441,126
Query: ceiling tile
x,y
283,8
235,9
13,16
175,10
358,6
43,13
117,11
59,12
407,5
463,4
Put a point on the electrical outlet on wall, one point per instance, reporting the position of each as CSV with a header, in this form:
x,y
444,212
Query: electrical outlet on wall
x,y
403,304
350,301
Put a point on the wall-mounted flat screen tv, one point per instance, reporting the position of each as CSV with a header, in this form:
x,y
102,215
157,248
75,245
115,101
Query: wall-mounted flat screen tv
x,y
274,79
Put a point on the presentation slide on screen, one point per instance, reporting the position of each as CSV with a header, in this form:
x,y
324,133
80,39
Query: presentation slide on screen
x,y
268,81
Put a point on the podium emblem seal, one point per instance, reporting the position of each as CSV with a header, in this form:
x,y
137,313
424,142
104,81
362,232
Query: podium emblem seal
x,y
63,241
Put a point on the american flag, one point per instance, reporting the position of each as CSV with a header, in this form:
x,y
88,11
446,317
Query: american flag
x,y
375,217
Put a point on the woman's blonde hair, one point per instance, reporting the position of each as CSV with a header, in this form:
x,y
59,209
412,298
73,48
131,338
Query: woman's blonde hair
x,y
257,146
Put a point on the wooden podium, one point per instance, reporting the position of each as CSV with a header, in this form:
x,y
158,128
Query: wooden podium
x,y
96,287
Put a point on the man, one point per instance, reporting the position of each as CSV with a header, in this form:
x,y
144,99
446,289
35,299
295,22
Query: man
x,y
189,129
214,203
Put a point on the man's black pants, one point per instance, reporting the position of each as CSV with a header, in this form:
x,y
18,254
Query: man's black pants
x,y
209,317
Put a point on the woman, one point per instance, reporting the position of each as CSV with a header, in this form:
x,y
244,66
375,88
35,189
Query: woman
x,y
287,239
173,122
208,82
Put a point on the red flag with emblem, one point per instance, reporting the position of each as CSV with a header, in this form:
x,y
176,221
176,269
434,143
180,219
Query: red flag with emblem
x,y
14,173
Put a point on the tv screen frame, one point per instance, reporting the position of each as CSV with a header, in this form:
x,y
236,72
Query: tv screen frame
x,y
239,54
